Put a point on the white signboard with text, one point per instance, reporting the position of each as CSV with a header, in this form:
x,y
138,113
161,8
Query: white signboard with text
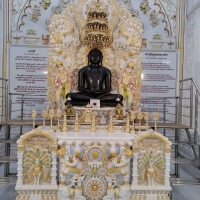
x,y
28,79
159,83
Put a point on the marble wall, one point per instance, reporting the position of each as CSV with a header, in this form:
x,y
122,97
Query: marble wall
x,y
158,17
1,21
192,41
1,43
191,69
1,35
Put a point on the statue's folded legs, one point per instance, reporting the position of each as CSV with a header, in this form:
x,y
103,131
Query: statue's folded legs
x,y
80,99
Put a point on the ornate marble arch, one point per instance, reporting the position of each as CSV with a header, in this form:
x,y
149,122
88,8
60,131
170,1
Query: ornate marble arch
x,y
68,50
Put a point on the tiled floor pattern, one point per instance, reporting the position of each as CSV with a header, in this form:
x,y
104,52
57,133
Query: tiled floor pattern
x,y
181,192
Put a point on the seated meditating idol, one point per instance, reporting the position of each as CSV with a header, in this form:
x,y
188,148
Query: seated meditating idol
x,y
94,82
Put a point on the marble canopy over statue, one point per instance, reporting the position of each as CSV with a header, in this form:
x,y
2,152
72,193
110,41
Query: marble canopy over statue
x,y
89,24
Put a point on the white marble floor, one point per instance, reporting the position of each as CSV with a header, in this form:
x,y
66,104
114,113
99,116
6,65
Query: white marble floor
x,y
182,192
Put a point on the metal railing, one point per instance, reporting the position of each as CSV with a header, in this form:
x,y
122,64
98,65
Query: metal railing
x,y
190,85
190,100
20,106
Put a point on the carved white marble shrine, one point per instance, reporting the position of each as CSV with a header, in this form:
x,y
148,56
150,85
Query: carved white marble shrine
x,y
94,153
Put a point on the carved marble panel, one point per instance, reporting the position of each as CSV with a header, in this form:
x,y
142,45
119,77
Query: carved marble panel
x,y
37,14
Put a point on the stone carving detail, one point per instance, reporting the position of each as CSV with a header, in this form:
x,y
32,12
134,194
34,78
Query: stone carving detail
x,y
37,166
36,13
168,9
151,167
95,173
44,194
144,6
151,160
96,31
37,163
45,4
154,19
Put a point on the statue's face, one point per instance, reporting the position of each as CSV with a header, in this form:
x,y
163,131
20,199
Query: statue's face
x,y
95,58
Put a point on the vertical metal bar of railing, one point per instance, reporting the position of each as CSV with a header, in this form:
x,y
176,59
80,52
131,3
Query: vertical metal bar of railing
x,y
22,112
196,119
196,123
177,169
10,106
5,117
177,109
178,117
164,120
6,108
191,105
7,151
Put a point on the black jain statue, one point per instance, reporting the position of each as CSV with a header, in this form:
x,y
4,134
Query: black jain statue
x,y
94,82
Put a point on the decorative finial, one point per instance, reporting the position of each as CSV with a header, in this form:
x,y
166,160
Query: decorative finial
x,y
155,118
110,126
76,124
44,115
65,127
58,115
51,115
146,117
139,116
33,115
93,124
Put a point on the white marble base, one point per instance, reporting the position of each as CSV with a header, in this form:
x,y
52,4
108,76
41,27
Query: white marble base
x,y
82,151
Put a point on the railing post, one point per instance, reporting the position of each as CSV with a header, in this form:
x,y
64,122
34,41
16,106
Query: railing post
x,y
7,151
196,118
191,105
6,100
10,106
177,168
22,112
178,115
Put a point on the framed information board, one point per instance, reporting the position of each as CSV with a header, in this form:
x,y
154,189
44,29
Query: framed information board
x,y
160,82
28,78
